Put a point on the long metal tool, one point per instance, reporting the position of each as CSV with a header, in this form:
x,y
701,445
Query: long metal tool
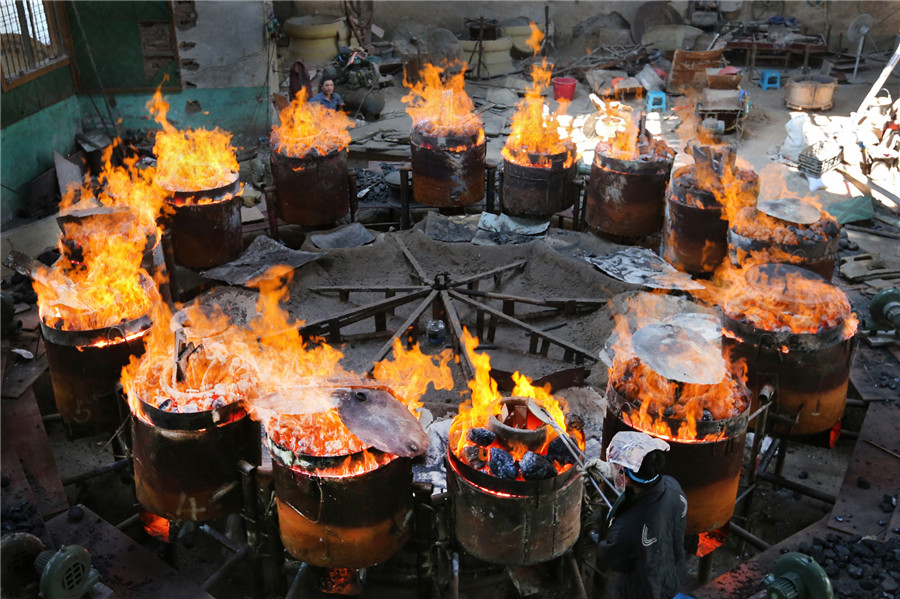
x,y
544,416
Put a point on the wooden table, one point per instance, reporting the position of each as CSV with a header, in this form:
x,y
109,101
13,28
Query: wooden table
x,y
753,44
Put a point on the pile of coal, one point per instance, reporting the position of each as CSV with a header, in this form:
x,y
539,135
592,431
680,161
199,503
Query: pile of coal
x,y
859,568
373,182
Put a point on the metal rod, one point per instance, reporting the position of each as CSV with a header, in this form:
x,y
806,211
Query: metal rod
x,y
225,568
129,521
401,330
295,585
780,481
218,536
454,585
748,491
748,537
113,467
576,574
489,273
856,403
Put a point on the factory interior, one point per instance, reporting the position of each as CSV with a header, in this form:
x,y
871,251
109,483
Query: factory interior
x,y
321,298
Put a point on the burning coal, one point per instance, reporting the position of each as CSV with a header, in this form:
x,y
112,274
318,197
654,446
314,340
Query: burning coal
x,y
504,437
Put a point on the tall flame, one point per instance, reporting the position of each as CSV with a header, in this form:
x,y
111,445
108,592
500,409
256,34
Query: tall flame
x,y
439,105
534,137
309,128
191,160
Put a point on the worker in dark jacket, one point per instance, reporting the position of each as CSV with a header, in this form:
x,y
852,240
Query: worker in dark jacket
x,y
645,544
328,97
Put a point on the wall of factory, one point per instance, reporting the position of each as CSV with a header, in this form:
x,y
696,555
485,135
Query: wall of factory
x,y
216,55
814,16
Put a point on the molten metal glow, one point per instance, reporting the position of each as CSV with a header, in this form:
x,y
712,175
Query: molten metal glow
x,y
439,105
157,527
535,138
663,407
310,129
191,160
485,402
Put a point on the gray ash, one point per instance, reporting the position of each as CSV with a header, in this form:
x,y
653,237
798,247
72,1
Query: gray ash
x,y
374,182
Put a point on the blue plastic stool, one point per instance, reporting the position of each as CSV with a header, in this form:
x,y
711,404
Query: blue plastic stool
x,y
656,101
770,79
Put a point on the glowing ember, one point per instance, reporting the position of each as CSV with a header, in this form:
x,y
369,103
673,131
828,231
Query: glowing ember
x,y
157,527
191,160
309,129
439,105
467,432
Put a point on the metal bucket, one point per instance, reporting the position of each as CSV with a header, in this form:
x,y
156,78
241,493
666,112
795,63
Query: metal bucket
x,y
447,171
206,225
84,370
311,191
626,197
185,465
537,190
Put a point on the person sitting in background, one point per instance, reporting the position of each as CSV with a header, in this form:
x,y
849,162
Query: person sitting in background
x,y
327,97
645,544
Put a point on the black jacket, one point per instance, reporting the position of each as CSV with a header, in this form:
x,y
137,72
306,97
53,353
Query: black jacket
x,y
645,545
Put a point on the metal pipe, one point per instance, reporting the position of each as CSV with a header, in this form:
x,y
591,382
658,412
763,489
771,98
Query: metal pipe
x,y
113,467
576,573
748,491
856,403
295,585
780,481
129,521
748,537
225,568
225,541
454,584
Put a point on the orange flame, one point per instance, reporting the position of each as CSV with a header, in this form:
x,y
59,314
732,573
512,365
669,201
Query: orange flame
x,y
485,402
191,160
800,303
284,381
535,138
108,287
309,128
534,40
661,403
439,105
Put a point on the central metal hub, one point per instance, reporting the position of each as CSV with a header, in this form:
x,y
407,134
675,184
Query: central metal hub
x,y
441,282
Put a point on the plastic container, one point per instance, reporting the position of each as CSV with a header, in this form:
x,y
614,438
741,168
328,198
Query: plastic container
x,y
820,158
564,88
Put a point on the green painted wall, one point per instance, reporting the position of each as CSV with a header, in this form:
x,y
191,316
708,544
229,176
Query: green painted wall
x,y
113,29
35,95
245,112
27,149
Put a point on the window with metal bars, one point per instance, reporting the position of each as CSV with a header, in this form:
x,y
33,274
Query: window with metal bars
x,y
31,36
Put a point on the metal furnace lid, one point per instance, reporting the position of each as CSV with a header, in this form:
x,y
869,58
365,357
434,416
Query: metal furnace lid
x,y
791,210
380,420
679,354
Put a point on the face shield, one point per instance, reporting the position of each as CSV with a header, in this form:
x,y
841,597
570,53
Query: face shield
x,y
626,452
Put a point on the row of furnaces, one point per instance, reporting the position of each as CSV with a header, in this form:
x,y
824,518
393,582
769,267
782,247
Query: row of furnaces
x,y
188,466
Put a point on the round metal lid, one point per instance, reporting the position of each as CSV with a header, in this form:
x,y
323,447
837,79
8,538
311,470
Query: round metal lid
x,y
378,419
679,354
791,210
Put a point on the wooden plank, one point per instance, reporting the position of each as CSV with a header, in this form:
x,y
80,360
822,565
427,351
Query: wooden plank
x,y
23,432
21,374
856,510
124,566
18,494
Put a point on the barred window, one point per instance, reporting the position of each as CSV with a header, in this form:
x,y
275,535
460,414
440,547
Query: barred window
x,y
30,31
